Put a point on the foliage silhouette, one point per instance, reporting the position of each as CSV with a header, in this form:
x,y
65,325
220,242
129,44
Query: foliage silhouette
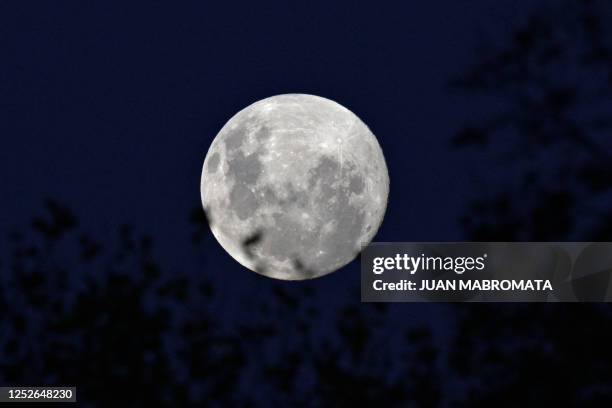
x,y
108,318
549,177
547,143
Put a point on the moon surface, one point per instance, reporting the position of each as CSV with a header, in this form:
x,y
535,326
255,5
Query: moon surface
x,y
294,185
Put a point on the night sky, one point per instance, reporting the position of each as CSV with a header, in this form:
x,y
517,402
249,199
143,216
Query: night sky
x,y
110,109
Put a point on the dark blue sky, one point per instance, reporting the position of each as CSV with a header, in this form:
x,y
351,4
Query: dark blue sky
x,y
111,108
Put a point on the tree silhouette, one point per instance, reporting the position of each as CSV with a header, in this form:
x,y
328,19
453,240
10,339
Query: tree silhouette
x,y
548,176
546,145
108,318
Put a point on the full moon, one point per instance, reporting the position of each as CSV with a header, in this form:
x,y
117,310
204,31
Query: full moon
x,y
294,185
